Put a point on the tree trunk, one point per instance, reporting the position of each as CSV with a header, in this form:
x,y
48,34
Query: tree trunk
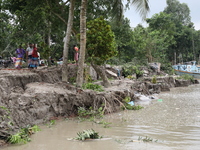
x,y
102,73
79,79
66,41
49,42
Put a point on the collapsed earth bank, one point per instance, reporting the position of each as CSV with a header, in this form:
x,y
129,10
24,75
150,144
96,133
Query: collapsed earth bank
x,y
34,97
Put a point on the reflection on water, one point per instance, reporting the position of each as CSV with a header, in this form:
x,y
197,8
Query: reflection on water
x,y
174,122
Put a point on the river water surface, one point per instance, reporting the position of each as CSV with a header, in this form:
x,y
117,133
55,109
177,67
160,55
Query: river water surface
x,y
173,123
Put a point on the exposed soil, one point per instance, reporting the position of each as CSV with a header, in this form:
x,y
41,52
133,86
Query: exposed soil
x,y
36,96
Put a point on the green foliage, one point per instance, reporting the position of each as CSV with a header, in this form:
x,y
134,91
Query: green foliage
x,y
51,123
92,86
154,80
162,22
186,77
5,117
87,76
124,38
151,44
167,67
180,16
126,101
101,44
72,79
130,77
138,107
23,136
87,134
129,69
90,113
18,139
180,12
34,129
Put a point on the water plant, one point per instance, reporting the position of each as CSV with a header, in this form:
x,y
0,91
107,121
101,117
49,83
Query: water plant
x,y
51,123
138,107
104,123
146,139
23,136
128,106
87,134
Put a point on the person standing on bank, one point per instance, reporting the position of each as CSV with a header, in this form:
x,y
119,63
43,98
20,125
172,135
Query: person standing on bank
x,y
76,53
29,52
20,55
34,58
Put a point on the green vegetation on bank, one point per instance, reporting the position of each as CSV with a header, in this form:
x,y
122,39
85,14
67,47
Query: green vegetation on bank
x,y
23,136
90,114
128,106
186,77
92,86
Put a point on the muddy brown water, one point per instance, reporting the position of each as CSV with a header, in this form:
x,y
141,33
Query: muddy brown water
x,y
174,122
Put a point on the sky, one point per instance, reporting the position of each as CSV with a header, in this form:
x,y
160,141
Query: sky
x,y
157,6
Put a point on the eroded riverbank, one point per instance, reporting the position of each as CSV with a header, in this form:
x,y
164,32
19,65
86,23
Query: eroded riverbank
x,y
174,122
35,97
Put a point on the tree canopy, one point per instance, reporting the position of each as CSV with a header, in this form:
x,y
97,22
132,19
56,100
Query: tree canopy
x,y
169,36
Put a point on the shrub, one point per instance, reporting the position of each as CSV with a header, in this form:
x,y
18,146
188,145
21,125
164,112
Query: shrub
x,y
92,86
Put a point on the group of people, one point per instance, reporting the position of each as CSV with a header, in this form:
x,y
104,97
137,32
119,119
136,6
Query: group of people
x,y
32,56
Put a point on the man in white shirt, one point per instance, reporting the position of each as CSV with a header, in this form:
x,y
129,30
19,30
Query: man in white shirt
x,y
29,51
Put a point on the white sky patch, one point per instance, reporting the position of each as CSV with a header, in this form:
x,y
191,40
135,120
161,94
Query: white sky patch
x,y
157,6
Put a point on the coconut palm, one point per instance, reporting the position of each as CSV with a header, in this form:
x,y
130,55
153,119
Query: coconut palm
x,y
141,6
66,42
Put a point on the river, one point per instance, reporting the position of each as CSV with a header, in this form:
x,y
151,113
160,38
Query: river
x,y
172,123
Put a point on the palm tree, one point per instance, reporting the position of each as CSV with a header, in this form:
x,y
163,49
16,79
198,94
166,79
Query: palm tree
x,y
79,79
141,6
67,40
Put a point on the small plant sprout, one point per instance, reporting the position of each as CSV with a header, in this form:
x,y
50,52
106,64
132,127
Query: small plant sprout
x,y
51,123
